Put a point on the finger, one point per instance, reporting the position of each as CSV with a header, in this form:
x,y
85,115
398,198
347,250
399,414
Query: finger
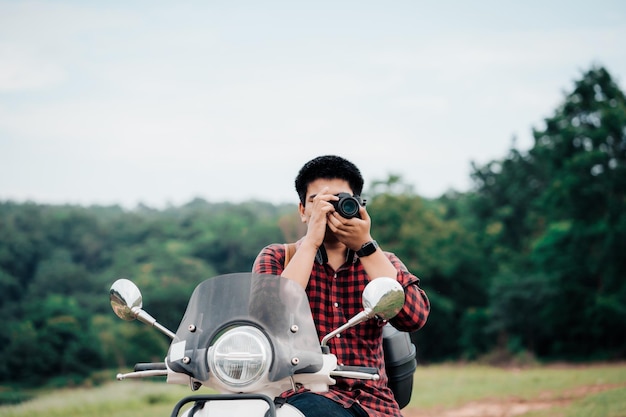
x,y
323,195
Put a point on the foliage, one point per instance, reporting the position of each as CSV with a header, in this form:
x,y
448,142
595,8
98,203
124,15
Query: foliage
x,y
554,220
9,396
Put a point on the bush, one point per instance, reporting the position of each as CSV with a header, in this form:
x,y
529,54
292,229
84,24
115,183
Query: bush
x,y
11,397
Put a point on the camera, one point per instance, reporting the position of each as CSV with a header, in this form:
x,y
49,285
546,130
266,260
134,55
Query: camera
x,y
348,205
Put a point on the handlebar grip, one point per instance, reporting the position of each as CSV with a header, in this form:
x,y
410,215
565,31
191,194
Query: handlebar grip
x,y
363,369
150,366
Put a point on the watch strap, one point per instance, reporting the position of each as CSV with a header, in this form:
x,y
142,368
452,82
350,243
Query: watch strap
x,y
367,249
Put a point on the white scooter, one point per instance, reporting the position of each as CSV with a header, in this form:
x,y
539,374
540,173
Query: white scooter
x,y
250,337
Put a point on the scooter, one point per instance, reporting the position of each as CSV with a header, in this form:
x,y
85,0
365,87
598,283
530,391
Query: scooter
x,y
250,337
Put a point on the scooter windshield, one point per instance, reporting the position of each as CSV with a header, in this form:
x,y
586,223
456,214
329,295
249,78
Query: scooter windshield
x,y
277,306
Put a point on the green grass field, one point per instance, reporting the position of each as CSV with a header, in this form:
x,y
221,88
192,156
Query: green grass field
x,y
573,391
439,390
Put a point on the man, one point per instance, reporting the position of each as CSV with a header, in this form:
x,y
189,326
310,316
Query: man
x,y
334,261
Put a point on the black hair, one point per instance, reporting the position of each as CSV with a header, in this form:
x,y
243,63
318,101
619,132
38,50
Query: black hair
x,y
328,167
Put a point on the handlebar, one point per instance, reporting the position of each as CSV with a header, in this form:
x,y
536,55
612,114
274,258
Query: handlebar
x,y
143,370
356,372
364,369
150,366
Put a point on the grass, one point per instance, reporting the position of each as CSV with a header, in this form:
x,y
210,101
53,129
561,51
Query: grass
x,y
606,404
436,387
450,386
120,399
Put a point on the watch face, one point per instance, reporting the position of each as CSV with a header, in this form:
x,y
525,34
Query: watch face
x,y
367,249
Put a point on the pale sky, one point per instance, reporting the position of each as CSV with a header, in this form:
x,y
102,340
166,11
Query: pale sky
x,y
156,102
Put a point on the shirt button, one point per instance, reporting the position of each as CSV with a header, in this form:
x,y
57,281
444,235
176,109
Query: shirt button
x,y
336,304
335,276
339,335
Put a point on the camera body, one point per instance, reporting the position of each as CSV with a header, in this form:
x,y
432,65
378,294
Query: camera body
x,y
348,205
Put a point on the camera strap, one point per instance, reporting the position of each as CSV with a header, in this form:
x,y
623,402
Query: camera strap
x,y
290,249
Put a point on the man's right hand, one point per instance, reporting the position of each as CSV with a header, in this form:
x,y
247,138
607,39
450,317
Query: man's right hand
x,y
316,213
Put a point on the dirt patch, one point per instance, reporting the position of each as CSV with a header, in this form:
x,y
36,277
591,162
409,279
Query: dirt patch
x,y
504,408
510,407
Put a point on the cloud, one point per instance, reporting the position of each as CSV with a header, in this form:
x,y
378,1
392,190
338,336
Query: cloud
x,y
154,101
23,70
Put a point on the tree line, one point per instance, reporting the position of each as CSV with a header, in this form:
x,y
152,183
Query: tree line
x,y
529,261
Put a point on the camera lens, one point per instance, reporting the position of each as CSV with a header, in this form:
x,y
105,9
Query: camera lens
x,y
349,207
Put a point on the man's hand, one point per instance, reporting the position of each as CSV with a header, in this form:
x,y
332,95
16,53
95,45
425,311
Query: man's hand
x,y
354,232
320,210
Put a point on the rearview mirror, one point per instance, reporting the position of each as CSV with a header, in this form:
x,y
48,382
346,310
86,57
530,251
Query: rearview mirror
x,y
127,305
384,297
125,299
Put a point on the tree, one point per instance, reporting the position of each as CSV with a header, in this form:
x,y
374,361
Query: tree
x,y
582,154
554,219
54,340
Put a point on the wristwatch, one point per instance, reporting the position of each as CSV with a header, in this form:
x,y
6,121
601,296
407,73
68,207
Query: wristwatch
x,y
367,249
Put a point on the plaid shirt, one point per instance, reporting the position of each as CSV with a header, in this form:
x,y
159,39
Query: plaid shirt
x,y
335,297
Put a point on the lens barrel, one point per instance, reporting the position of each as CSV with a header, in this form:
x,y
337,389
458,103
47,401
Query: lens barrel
x,y
348,206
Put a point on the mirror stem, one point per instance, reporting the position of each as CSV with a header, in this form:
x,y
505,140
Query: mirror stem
x,y
146,318
366,314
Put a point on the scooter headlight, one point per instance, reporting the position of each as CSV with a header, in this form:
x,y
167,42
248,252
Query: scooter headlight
x,y
241,356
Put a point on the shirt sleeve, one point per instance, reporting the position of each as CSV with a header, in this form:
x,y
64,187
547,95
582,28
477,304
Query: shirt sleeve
x,y
416,308
270,260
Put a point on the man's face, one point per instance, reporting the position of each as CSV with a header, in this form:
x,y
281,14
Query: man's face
x,y
334,186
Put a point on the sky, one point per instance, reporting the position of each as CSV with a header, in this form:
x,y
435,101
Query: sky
x,y
160,102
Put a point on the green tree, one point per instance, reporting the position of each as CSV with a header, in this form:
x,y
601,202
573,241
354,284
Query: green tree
x,y
582,155
554,220
54,340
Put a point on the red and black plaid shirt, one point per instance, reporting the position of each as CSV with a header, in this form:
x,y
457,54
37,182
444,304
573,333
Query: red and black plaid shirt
x,y
335,297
